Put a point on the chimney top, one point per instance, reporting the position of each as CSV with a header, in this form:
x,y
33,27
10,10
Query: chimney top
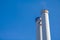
x,y
45,11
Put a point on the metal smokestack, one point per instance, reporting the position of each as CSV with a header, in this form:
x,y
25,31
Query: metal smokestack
x,y
41,36
39,28
43,27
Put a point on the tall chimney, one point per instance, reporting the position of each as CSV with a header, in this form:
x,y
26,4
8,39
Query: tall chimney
x,y
45,25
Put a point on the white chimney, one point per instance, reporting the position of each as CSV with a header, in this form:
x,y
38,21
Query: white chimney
x,y
43,27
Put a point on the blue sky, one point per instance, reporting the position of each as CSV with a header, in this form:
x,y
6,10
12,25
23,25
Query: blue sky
x,y
17,18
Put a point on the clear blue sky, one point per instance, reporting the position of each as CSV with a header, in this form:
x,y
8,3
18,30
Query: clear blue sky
x,y
17,18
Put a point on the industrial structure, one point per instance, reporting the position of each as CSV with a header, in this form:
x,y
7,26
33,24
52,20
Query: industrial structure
x,y
43,27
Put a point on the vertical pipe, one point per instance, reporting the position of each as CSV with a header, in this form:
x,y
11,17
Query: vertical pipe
x,y
41,28
45,25
38,28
